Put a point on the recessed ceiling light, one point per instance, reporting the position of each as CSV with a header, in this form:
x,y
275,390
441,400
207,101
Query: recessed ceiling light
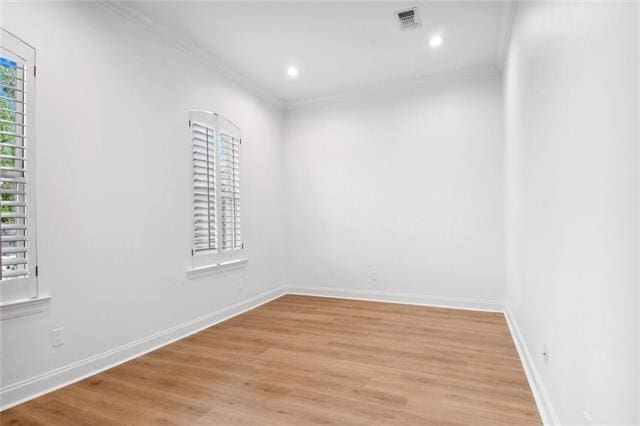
x,y
435,40
292,71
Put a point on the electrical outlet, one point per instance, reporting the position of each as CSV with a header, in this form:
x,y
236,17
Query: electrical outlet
x,y
56,337
374,275
545,353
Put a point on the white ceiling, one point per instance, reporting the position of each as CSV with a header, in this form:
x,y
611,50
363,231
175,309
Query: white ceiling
x,y
338,46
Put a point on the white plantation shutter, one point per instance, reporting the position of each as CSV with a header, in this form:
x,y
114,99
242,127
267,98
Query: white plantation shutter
x,y
216,189
205,238
13,171
17,206
230,191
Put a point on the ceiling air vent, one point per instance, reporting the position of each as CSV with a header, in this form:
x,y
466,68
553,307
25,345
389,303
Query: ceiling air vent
x,y
408,19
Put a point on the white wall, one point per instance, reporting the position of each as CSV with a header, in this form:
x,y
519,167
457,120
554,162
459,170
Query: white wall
x,y
406,182
113,186
570,112
638,214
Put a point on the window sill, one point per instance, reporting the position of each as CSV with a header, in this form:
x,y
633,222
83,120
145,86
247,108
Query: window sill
x,y
218,268
22,307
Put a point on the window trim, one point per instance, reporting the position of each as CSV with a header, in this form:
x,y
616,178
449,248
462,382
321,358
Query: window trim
x,y
230,265
22,307
217,259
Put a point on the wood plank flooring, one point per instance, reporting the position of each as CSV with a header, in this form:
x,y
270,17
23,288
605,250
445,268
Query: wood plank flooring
x,y
308,360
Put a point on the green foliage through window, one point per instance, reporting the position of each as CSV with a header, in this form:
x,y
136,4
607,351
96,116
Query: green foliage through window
x,y
8,75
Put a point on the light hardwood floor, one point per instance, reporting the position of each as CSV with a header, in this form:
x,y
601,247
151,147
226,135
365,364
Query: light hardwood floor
x,y
302,360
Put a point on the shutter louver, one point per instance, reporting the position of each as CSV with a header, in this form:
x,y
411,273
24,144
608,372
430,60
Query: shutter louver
x,y
205,238
14,189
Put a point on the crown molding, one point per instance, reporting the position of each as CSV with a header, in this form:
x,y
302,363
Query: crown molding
x,y
424,81
504,34
171,37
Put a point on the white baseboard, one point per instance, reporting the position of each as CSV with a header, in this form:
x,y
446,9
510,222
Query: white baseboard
x,y
20,392
540,394
403,298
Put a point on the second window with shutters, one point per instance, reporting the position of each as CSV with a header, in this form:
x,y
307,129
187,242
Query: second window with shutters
x,y
216,227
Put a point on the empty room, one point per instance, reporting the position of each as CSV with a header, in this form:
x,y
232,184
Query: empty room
x,y
319,212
